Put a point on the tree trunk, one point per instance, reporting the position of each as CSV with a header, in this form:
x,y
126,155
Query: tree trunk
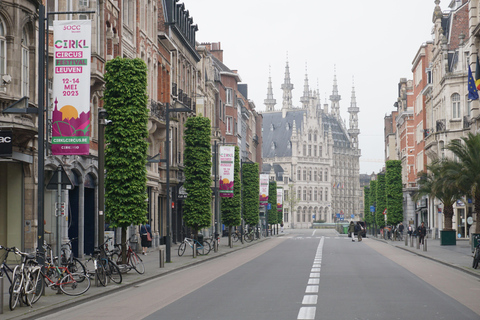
x,y
124,245
477,212
230,242
448,214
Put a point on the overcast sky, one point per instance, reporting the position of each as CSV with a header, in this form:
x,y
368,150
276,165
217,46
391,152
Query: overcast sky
x,y
370,43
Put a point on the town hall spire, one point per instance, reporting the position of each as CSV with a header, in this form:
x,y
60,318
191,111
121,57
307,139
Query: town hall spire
x,y
335,97
353,110
287,88
270,102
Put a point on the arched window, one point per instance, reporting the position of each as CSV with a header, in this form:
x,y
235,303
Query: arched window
x,y
326,175
305,194
299,193
315,178
304,174
3,49
455,106
25,64
321,175
315,195
320,195
299,174
309,174
310,194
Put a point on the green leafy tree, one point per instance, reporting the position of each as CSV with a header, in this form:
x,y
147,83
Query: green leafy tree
x,y
366,206
292,200
231,207
272,200
125,100
198,164
437,183
466,169
393,191
381,200
279,210
251,190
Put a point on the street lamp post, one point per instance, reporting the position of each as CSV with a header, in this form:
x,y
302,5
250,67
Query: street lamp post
x,y
167,167
102,114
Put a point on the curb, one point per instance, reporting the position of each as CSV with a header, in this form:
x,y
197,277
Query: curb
x,y
45,311
472,273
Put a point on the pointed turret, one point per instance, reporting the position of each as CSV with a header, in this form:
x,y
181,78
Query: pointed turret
x,y
270,102
287,88
335,97
306,92
353,110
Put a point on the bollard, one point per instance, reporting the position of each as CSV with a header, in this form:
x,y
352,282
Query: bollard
x,y
215,245
194,250
425,244
1,295
161,256
417,240
411,241
406,241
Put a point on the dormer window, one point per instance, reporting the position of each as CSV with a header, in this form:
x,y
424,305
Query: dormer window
x,y
272,127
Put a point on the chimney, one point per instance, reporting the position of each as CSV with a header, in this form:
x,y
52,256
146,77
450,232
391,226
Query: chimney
x,y
217,51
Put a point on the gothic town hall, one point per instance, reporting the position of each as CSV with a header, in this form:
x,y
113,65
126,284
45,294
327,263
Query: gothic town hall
x,y
312,154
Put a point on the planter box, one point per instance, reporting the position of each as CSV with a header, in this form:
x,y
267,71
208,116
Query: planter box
x,y
448,238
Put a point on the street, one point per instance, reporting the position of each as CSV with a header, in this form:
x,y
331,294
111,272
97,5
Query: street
x,y
306,274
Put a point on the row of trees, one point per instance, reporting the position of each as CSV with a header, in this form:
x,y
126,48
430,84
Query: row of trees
x,y
451,179
125,100
385,196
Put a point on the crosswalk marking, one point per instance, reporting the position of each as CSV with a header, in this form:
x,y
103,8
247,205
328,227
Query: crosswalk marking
x,y
310,299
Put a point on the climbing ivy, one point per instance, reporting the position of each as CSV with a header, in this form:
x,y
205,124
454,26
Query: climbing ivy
x,y
393,191
381,200
251,191
272,200
198,164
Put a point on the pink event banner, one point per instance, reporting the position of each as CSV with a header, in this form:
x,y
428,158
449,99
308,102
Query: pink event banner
x,y
227,166
71,87
263,189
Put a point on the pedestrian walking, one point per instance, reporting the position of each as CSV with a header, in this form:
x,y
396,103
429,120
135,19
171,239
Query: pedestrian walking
x,y
359,231
421,232
281,227
401,228
351,230
146,237
410,230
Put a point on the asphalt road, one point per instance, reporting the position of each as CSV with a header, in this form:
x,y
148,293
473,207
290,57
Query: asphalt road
x,y
307,274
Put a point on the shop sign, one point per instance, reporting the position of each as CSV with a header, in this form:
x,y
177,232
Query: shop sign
x,y
6,144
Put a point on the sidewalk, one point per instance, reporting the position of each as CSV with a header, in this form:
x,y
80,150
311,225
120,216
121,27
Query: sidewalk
x,y
53,301
459,256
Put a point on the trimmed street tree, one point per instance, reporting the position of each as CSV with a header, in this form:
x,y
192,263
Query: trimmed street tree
x,y
367,215
125,100
393,191
272,200
231,207
198,165
466,169
251,191
381,203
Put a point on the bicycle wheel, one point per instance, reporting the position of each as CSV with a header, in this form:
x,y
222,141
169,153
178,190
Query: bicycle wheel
x,y
203,249
39,286
100,273
248,237
74,284
32,275
76,266
235,237
113,272
476,258
16,288
116,258
181,249
137,263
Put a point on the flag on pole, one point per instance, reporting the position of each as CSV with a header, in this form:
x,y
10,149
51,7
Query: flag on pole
x,y
477,74
472,90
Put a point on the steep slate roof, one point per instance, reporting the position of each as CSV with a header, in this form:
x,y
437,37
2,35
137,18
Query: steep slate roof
x,y
266,168
275,130
278,130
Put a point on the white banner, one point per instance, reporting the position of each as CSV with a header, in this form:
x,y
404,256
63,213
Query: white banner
x,y
71,87
227,166
263,189
279,199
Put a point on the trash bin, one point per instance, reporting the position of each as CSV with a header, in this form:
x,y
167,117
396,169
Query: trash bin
x,y
345,230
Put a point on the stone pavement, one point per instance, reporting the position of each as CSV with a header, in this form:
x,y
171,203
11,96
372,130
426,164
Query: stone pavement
x,y
459,257
53,301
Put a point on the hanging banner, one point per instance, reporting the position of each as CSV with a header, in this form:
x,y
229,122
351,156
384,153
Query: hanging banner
x,y
279,199
71,87
227,166
263,189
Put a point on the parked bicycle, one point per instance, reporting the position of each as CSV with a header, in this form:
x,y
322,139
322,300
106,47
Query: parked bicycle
x,y
133,261
203,248
67,259
25,280
476,253
250,235
98,268
5,270
211,241
112,271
